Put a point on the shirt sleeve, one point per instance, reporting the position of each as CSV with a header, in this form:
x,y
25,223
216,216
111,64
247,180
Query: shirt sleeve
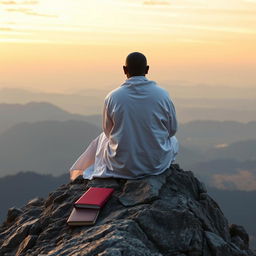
x,y
172,124
107,123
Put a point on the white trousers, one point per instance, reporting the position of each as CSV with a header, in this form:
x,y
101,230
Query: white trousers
x,y
94,155
87,158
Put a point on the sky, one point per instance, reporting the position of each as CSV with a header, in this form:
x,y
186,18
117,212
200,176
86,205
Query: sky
x,y
68,45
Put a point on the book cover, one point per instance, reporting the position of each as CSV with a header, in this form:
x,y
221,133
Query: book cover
x,y
80,217
94,198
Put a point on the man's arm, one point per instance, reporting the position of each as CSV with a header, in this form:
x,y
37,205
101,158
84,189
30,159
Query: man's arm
x,y
173,123
107,123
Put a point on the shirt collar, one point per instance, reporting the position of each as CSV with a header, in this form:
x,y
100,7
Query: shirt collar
x,y
138,78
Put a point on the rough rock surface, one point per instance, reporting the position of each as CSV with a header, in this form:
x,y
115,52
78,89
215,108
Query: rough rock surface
x,y
170,214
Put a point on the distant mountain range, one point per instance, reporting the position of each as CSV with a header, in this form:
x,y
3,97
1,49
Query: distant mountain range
x,y
44,147
87,102
195,133
234,153
12,114
231,167
208,134
16,190
241,150
228,174
209,104
43,138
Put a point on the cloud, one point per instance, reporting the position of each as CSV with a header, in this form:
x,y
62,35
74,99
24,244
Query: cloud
x,y
243,180
20,40
193,41
250,1
11,32
223,29
216,11
41,14
19,3
28,11
223,145
155,2
8,2
17,10
5,29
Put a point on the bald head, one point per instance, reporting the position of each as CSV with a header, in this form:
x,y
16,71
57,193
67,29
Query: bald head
x,y
136,65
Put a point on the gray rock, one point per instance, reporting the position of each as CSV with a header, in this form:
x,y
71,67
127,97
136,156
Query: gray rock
x,y
12,214
180,229
142,191
202,187
14,240
203,196
219,247
26,244
237,232
36,202
239,242
106,183
166,215
78,180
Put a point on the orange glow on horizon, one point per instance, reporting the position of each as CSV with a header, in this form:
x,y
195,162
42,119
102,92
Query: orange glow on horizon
x,y
52,46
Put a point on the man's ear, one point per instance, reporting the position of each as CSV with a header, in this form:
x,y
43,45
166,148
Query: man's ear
x,y
147,68
125,69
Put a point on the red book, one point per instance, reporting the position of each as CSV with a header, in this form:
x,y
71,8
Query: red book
x,y
94,198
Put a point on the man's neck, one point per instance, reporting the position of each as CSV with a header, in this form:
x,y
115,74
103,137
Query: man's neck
x,y
135,76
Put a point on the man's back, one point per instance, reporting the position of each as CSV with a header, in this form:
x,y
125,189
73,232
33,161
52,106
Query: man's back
x,y
139,123
143,121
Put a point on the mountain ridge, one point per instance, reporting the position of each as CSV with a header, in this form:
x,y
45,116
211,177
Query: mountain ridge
x,y
13,114
45,146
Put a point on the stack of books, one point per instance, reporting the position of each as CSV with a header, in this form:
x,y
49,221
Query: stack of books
x,y
86,209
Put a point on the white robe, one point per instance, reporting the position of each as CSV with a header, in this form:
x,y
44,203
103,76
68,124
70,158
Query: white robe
x,y
139,123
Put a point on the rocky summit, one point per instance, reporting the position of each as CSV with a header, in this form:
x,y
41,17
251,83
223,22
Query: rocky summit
x,y
170,214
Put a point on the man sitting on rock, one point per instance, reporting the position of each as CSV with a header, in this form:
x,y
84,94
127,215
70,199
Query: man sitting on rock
x,y
139,123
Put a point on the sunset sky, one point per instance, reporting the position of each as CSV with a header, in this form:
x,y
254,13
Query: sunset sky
x,y
65,45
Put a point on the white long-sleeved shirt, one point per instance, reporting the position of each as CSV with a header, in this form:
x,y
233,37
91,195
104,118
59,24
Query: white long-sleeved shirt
x,y
139,123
